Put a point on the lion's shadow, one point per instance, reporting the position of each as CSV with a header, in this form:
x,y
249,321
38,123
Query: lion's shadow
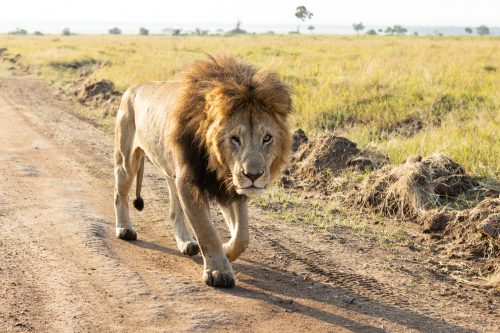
x,y
258,275
291,287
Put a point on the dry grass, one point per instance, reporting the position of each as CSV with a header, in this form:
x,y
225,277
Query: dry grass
x,y
406,95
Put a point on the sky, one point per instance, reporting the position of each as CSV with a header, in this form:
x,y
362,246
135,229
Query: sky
x,y
380,12
346,12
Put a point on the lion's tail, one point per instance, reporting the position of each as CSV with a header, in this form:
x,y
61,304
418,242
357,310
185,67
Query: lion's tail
x,y
138,202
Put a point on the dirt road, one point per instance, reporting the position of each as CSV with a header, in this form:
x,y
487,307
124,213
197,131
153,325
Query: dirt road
x,y
62,269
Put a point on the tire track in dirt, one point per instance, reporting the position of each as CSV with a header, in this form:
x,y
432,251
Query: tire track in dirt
x,y
71,264
353,288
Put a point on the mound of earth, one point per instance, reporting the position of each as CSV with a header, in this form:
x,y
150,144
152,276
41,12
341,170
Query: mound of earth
x,y
402,191
421,189
448,177
299,137
96,91
408,190
472,234
315,159
100,94
327,154
476,232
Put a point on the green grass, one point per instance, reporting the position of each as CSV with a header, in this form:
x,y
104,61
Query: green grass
x,y
363,88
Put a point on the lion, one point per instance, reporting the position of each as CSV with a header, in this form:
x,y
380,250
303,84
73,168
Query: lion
x,y
219,133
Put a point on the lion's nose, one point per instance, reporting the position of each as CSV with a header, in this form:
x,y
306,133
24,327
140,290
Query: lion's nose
x,y
253,175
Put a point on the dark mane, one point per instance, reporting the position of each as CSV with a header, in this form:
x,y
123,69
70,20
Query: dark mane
x,y
239,84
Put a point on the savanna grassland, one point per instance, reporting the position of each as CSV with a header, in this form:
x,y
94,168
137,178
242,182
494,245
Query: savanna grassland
x,y
401,95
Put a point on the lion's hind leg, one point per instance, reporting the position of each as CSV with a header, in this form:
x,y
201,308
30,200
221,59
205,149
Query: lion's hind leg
x,y
126,168
129,162
185,241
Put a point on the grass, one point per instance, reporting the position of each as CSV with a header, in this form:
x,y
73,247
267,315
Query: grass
x,y
297,207
365,88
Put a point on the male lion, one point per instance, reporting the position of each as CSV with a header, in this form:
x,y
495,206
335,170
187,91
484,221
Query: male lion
x,y
220,132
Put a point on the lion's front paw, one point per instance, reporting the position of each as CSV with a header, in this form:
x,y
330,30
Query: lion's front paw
x,y
219,279
126,233
189,248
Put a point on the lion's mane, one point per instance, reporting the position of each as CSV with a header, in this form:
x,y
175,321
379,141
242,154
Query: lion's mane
x,y
235,85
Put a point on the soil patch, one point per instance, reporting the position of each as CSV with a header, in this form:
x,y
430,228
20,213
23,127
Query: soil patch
x,y
18,67
74,64
407,127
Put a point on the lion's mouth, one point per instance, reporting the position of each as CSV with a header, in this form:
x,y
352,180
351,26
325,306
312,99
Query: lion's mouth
x,y
250,190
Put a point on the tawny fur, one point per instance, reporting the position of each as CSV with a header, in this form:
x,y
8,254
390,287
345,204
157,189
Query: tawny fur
x,y
187,129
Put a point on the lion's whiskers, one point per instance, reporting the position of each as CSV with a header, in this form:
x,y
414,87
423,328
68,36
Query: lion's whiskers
x,y
228,182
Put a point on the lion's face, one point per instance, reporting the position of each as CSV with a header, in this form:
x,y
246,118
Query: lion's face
x,y
251,146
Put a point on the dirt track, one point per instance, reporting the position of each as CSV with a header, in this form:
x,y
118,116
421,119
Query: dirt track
x,y
62,269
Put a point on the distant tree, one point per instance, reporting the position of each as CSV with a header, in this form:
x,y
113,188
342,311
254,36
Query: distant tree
x,y
371,32
310,28
176,32
18,31
358,27
199,32
380,30
115,31
143,31
415,33
483,30
37,33
389,31
302,14
66,32
399,30
237,30
220,31
468,30
396,30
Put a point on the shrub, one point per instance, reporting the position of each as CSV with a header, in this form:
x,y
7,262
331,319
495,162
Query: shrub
x,y
115,31
18,31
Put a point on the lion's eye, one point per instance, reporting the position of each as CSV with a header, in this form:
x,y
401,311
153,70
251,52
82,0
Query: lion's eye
x,y
236,140
267,139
